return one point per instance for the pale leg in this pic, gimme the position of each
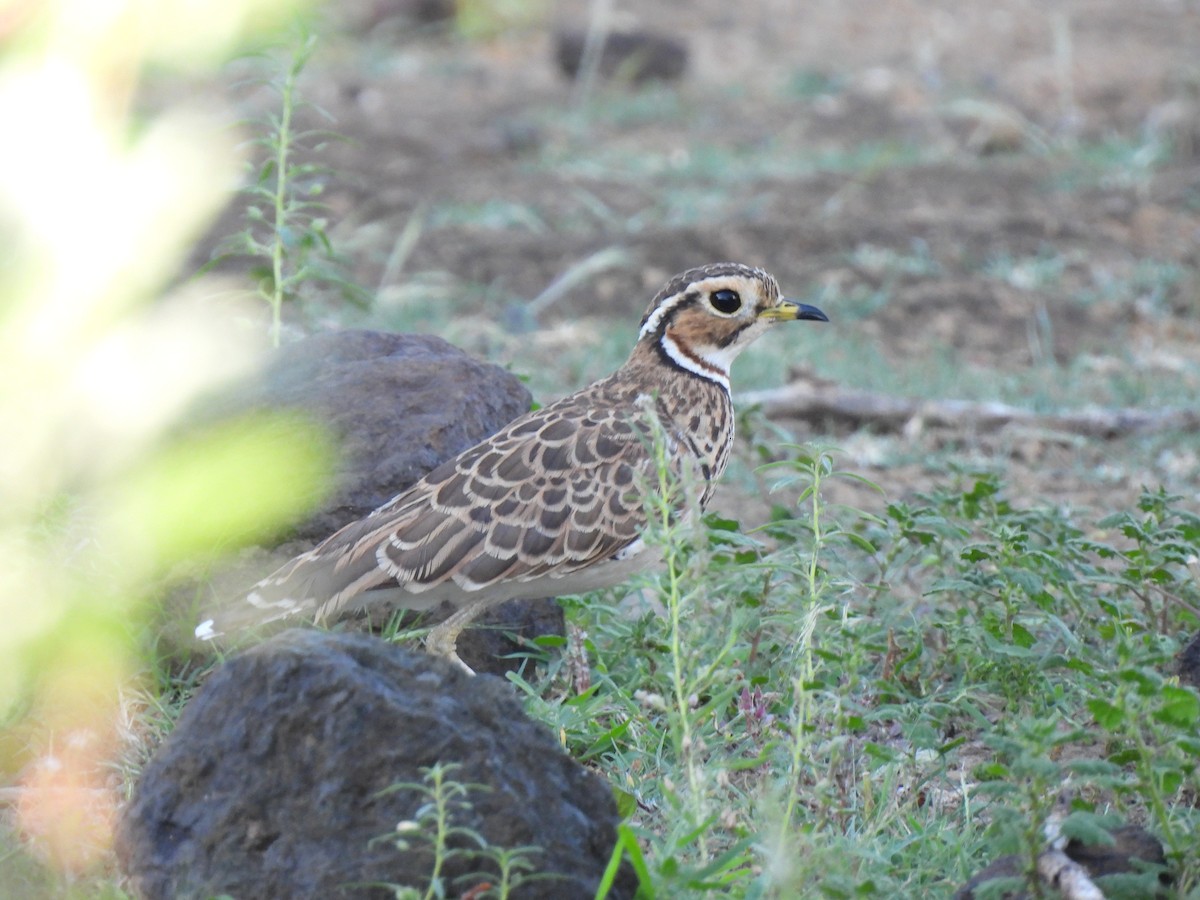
(442, 639)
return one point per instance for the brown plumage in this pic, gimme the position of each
(553, 503)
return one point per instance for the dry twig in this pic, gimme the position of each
(824, 402)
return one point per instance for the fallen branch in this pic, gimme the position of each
(823, 402)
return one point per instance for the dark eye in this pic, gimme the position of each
(726, 301)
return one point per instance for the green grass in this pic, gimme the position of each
(1150, 281)
(730, 167)
(25, 878)
(846, 705)
(1027, 273)
(495, 215)
(891, 264)
(808, 84)
(1118, 161)
(879, 706)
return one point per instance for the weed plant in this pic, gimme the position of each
(842, 705)
(285, 236)
(435, 832)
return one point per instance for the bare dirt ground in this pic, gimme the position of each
(998, 200)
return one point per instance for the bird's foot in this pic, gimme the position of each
(442, 641)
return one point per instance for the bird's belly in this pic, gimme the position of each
(631, 561)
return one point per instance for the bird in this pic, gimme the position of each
(555, 503)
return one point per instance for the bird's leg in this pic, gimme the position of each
(442, 639)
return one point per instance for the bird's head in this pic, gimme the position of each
(705, 317)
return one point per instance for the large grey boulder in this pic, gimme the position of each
(396, 406)
(279, 781)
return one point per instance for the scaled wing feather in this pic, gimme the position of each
(555, 492)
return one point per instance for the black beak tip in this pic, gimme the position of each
(811, 313)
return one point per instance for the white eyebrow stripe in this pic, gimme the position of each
(656, 317)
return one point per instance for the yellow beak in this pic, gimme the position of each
(788, 310)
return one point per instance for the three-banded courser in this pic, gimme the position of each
(554, 503)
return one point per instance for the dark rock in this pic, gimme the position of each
(396, 404)
(1189, 663)
(1009, 868)
(1130, 844)
(487, 645)
(498, 640)
(277, 781)
(635, 56)
(430, 11)
(414, 16)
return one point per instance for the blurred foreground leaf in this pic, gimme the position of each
(99, 206)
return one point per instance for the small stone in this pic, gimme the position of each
(633, 56)
(1189, 663)
(1131, 844)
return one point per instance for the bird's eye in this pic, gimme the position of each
(726, 301)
